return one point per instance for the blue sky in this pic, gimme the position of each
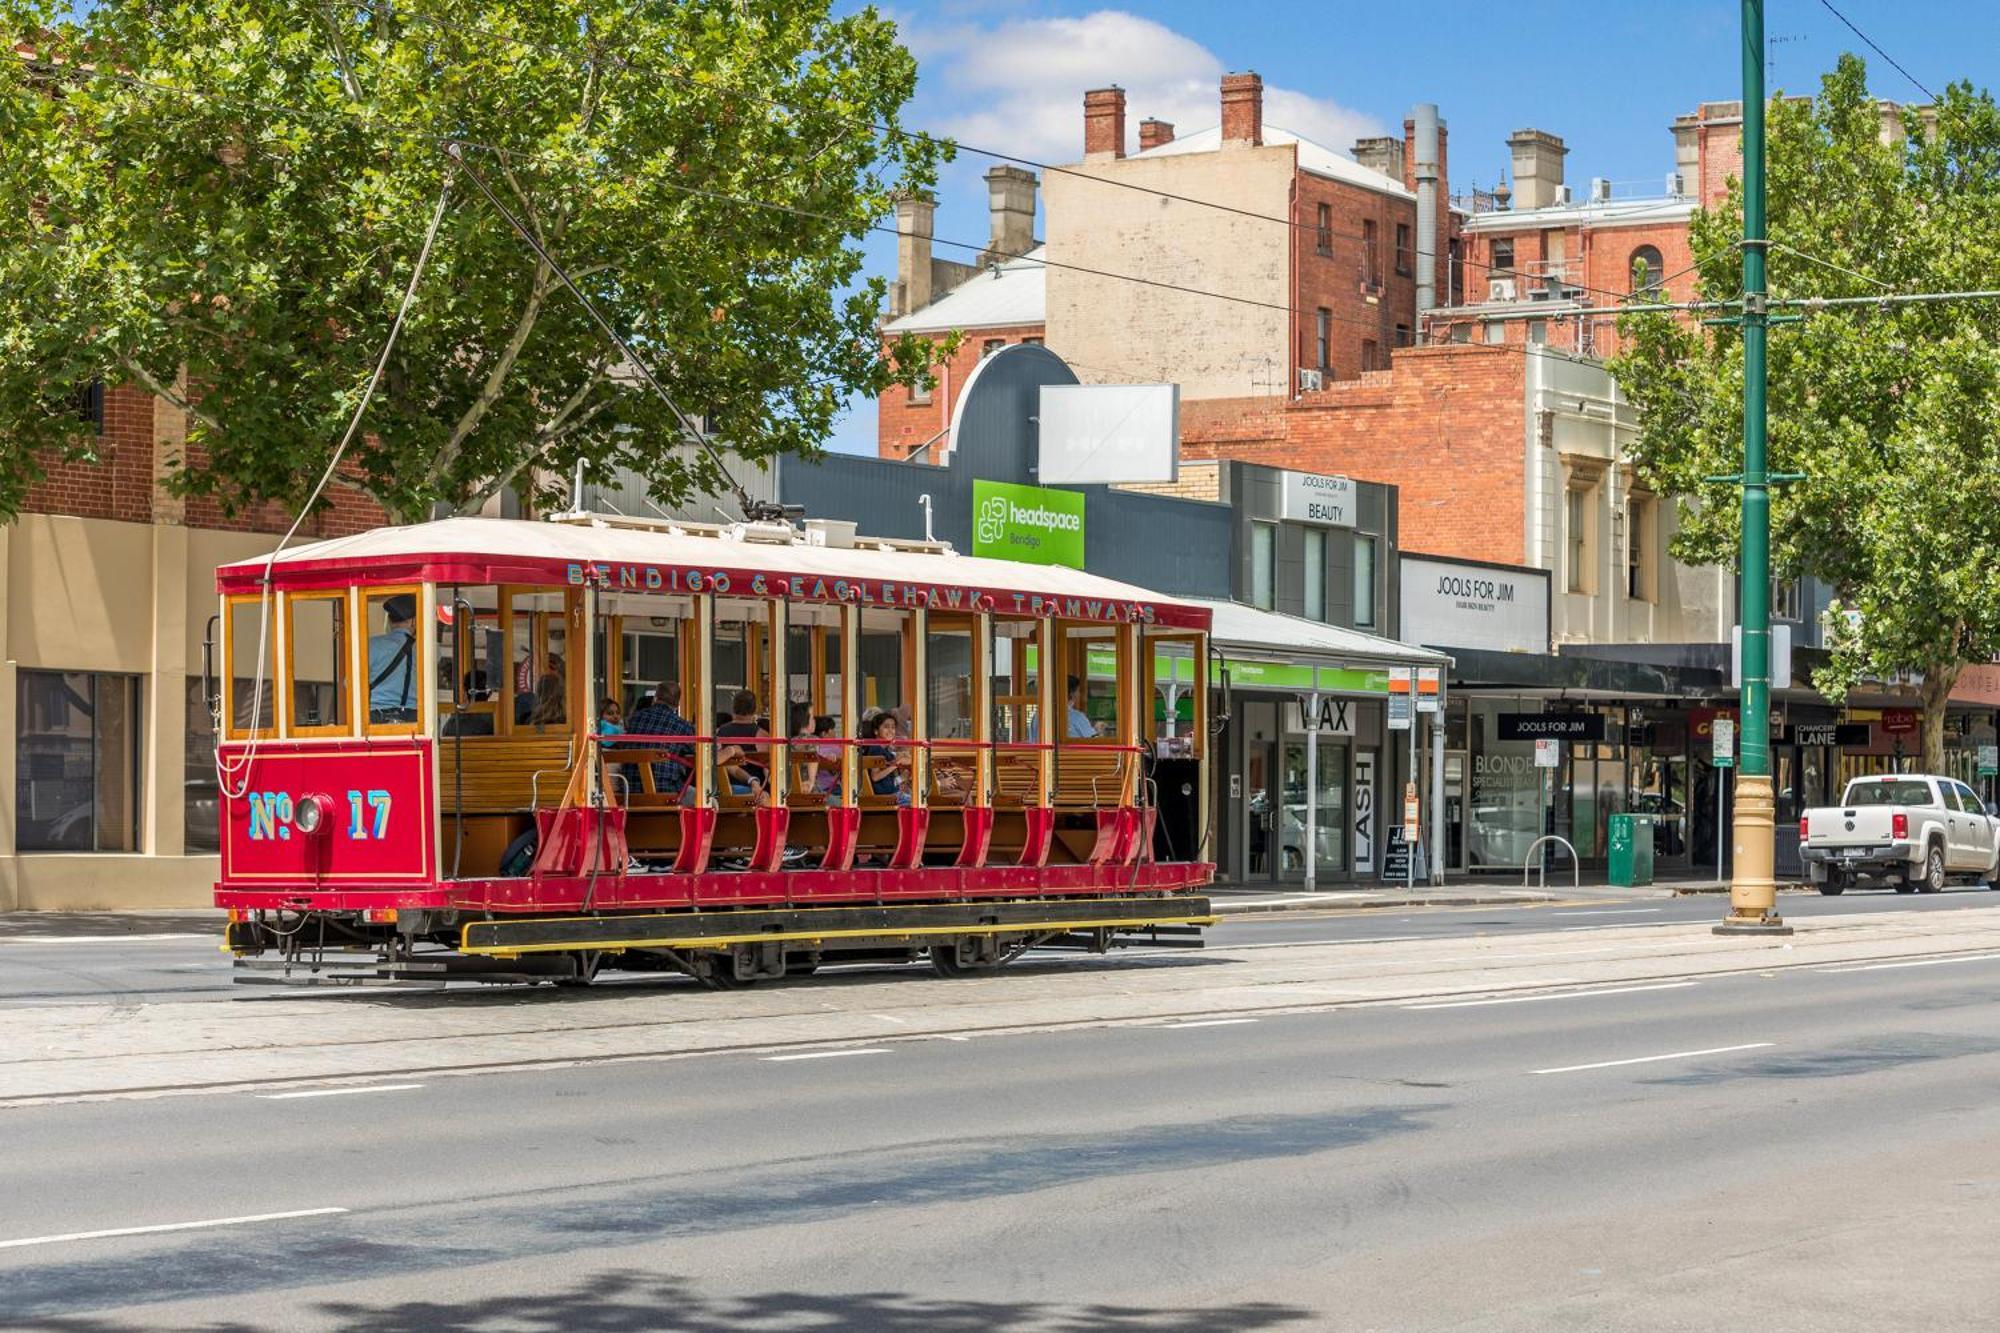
(1607, 76)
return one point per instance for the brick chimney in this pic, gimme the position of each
(1538, 168)
(1010, 194)
(1103, 123)
(915, 219)
(1153, 133)
(1243, 109)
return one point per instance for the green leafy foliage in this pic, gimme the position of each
(222, 200)
(1891, 412)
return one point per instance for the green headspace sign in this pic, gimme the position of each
(1032, 524)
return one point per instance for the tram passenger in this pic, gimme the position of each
(661, 716)
(471, 723)
(550, 708)
(882, 763)
(748, 774)
(392, 661)
(1079, 726)
(610, 718)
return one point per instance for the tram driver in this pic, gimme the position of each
(392, 663)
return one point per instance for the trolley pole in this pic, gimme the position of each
(1753, 885)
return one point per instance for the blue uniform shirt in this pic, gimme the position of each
(396, 691)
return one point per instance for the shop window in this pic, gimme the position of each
(394, 660)
(1403, 249)
(201, 805)
(1315, 559)
(1580, 537)
(317, 656)
(1641, 549)
(1364, 581)
(1263, 564)
(77, 757)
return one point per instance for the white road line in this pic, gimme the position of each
(828, 1055)
(168, 1226)
(1914, 962)
(1559, 995)
(337, 1092)
(103, 939)
(1608, 911)
(1651, 1059)
(1207, 1023)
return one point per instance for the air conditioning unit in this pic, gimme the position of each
(1676, 187)
(1311, 381)
(1500, 289)
(1562, 194)
(1600, 190)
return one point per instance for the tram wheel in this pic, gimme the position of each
(947, 961)
(717, 971)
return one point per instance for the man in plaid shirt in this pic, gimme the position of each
(662, 717)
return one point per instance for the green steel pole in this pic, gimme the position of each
(1753, 887)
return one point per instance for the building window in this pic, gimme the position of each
(1580, 536)
(1788, 600)
(1370, 352)
(1455, 270)
(1031, 342)
(1263, 564)
(1323, 237)
(1402, 335)
(1371, 256)
(1641, 550)
(920, 392)
(77, 761)
(1646, 270)
(1403, 250)
(1315, 556)
(1323, 338)
(990, 346)
(90, 406)
(1503, 256)
(1538, 332)
(1364, 581)
(1496, 332)
(1461, 333)
(201, 802)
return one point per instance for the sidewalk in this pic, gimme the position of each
(1462, 890)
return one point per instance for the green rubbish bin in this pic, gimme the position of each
(1631, 850)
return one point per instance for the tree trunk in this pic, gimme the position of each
(1935, 691)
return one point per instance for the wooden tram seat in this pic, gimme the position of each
(499, 774)
(1090, 777)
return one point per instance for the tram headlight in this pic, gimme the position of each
(315, 813)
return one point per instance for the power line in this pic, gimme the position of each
(876, 127)
(1828, 4)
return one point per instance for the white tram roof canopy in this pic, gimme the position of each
(1248, 631)
(495, 550)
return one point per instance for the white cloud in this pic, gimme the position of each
(1017, 87)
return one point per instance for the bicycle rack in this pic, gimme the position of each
(1575, 872)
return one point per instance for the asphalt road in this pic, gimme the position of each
(126, 961)
(1799, 1149)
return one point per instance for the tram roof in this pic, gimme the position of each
(497, 550)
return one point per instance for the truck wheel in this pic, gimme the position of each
(1933, 879)
(1834, 884)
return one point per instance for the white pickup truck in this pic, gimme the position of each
(1914, 831)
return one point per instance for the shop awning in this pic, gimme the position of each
(1274, 650)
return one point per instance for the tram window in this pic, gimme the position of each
(394, 659)
(729, 669)
(316, 654)
(882, 648)
(471, 658)
(251, 704)
(537, 666)
(1090, 658)
(948, 693)
(1016, 689)
(649, 656)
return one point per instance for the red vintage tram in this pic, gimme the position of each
(422, 781)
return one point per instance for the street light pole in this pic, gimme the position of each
(1753, 884)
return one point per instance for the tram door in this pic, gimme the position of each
(1258, 806)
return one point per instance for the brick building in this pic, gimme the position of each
(1316, 253)
(107, 782)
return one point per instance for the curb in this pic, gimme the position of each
(1222, 907)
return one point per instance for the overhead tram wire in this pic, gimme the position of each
(876, 127)
(418, 134)
(1893, 62)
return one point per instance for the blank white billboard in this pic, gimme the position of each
(1105, 433)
